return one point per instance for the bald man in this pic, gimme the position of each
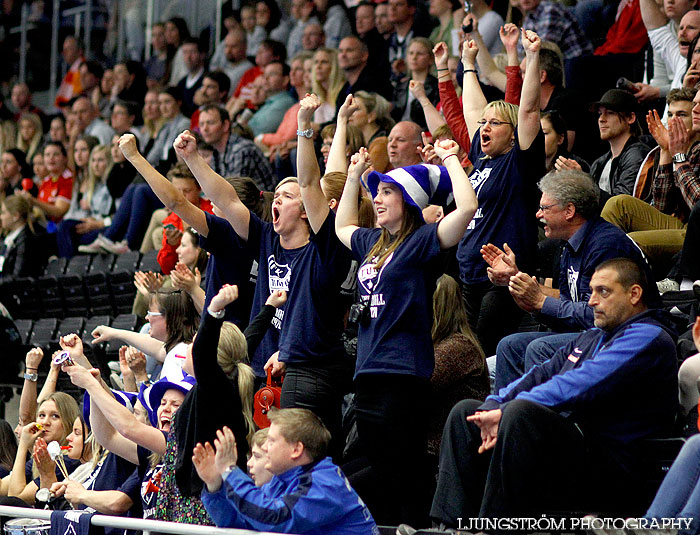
(404, 144)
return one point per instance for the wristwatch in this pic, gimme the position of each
(679, 157)
(308, 133)
(227, 471)
(31, 376)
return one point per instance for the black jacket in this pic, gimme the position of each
(624, 168)
(401, 98)
(25, 258)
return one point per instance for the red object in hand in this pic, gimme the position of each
(27, 184)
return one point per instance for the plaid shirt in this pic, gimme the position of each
(553, 22)
(243, 158)
(676, 192)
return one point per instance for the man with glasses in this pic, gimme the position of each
(569, 210)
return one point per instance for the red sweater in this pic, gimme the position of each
(167, 256)
(454, 116)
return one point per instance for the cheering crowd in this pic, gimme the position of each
(364, 201)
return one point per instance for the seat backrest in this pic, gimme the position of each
(56, 267)
(70, 325)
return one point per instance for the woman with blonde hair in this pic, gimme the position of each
(508, 155)
(222, 395)
(419, 59)
(327, 80)
(152, 120)
(373, 117)
(30, 134)
(91, 205)
(23, 256)
(54, 421)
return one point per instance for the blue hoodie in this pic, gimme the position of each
(618, 386)
(314, 499)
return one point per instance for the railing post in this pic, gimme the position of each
(120, 30)
(88, 29)
(23, 43)
(54, 50)
(149, 28)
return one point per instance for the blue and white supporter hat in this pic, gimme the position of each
(155, 392)
(420, 185)
(128, 399)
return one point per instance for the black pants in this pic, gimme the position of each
(319, 389)
(541, 463)
(392, 432)
(492, 313)
(688, 266)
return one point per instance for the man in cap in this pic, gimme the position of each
(615, 172)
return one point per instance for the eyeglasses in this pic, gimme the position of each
(493, 123)
(545, 207)
(150, 314)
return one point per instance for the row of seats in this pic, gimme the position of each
(87, 285)
(46, 332)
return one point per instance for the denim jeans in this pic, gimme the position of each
(679, 493)
(518, 353)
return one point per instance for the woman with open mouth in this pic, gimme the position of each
(508, 154)
(183, 412)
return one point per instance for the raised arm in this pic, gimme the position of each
(473, 100)
(453, 226)
(309, 175)
(119, 416)
(219, 191)
(529, 111)
(432, 117)
(28, 401)
(109, 438)
(652, 16)
(337, 156)
(163, 188)
(142, 342)
(487, 66)
(346, 219)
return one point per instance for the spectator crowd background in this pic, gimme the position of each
(295, 190)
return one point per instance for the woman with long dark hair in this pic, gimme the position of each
(400, 262)
(173, 320)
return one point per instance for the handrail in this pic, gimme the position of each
(139, 524)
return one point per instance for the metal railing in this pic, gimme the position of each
(138, 524)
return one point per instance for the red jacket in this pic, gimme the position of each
(454, 116)
(627, 35)
(167, 256)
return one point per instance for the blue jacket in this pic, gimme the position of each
(618, 386)
(314, 499)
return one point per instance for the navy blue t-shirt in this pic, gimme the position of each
(397, 338)
(506, 187)
(109, 474)
(230, 263)
(309, 326)
(148, 482)
(71, 464)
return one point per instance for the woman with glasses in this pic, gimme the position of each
(173, 320)
(508, 154)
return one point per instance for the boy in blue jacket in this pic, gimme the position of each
(308, 494)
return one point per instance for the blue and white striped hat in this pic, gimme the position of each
(421, 184)
(128, 399)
